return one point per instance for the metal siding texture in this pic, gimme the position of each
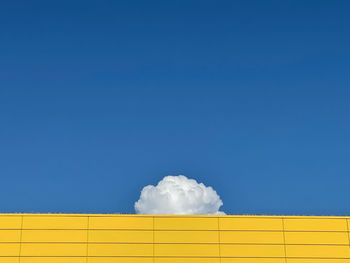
(82, 238)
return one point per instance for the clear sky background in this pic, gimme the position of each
(100, 98)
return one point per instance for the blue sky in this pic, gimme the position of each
(100, 98)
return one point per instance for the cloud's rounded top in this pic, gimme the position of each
(179, 195)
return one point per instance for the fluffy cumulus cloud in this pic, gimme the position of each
(179, 195)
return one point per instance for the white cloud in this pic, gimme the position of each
(179, 195)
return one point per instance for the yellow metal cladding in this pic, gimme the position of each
(88, 238)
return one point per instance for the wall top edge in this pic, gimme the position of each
(175, 216)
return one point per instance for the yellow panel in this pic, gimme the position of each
(53, 249)
(317, 238)
(120, 260)
(122, 222)
(318, 260)
(313, 224)
(252, 250)
(10, 235)
(120, 250)
(125, 236)
(253, 260)
(53, 260)
(186, 237)
(9, 259)
(315, 251)
(267, 237)
(250, 223)
(185, 223)
(54, 222)
(186, 250)
(9, 249)
(187, 260)
(178, 239)
(54, 235)
(10, 222)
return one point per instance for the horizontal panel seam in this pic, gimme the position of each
(171, 257)
(174, 230)
(179, 243)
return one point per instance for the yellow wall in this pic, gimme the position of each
(65, 238)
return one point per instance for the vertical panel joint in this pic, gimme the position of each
(284, 241)
(219, 239)
(20, 240)
(87, 239)
(347, 227)
(153, 245)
